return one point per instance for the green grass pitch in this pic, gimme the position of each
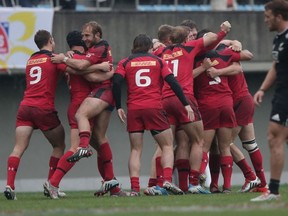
(84, 203)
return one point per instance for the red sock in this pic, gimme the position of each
(194, 177)
(62, 168)
(257, 161)
(135, 185)
(12, 167)
(100, 165)
(167, 174)
(226, 163)
(105, 154)
(152, 182)
(159, 171)
(214, 165)
(52, 166)
(246, 169)
(204, 162)
(84, 139)
(183, 167)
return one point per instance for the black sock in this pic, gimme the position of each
(274, 186)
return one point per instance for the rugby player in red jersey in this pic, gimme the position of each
(37, 109)
(216, 107)
(180, 57)
(145, 74)
(98, 105)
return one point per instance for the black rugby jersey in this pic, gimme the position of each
(280, 56)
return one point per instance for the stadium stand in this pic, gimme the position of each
(140, 5)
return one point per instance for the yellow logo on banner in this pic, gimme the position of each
(20, 25)
(28, 19)
(143, 63)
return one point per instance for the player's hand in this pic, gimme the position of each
(190, 112)
(207, 63)
(258, 97)
(105, 66)
(236, 46)
(212, 72)
(70, 53)
(57, 58)
(225, 26)
(121, 115)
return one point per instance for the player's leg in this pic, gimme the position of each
(198, 154)
(134, 164)
(277, 137)
(165, 140)
(247, 136)
(224, 137)
(22, 138)
(89, 108)
(101, 144)
(182, 163)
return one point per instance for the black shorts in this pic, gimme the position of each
(279, 113)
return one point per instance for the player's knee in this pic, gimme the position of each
(250, 145)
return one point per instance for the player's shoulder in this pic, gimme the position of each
(102, 43)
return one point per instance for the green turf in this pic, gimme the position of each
(84, 203)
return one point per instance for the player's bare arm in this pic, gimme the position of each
(232, 69)
(78, 64)
(210, 37)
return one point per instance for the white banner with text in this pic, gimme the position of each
(17, 29)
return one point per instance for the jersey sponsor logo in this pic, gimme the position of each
(172, 55)
(215, 62)
(143, 63)
(275, 55)
(4, 45)
(281, 47)
(37, 61)
(276, 117)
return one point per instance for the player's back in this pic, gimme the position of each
(180, 58)
(41, 80)
(217, 87)
(238, 85)
(144, 74)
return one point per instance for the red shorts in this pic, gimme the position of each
(244, 110)
(218, 117)
(147, 119)
(105, 94)
(38, 118)
(177, 113)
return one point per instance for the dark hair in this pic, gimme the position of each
(189, 23)
(164, 32)
(278, 7)
(179, 34)
(201, 33)
(74, 38)
(96, 27)
(142, 43)
(41, 38)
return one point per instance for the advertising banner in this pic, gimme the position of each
(17, 29)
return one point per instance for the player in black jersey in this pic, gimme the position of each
(276, 18)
